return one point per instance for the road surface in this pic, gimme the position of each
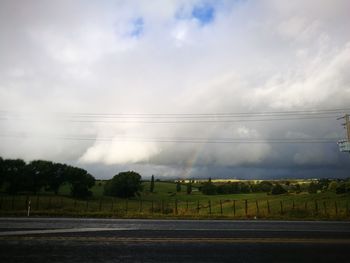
(123, 240)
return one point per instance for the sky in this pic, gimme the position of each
(179, 89)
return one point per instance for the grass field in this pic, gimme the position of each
(164, 202)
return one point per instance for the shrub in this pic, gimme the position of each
(277, 189)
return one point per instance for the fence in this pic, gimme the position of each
(246, 208)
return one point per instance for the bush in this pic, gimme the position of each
(343, 188)
(277, 189)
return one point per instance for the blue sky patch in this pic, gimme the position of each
(203, 13)
(137, 27)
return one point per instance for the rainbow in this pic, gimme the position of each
(191, 161)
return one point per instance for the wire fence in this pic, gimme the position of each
(113, 207)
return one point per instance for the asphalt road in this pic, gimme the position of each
(113, 240)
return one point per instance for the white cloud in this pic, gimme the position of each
(78, 57)
(119, 152)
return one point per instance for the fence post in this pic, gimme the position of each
(268, 207)
(175, 206)
(209, 206)
(257, 207)
(221, 207)
(234, 207)
(140, 206)
(281, 204)
(28, 208)
(186, 205)
(246, 207)
(336, 207)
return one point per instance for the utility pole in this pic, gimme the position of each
(344, 145)
(347, 125)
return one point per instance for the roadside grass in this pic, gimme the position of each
(165, 202)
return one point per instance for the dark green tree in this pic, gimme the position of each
(14, 175)
(277, 189)
(343, 188)
(58, 176)
(189, 188)
(313, 188)
(2, 172)
(265, 186)
(151, 188)
(244, 188)
(178, 186)
(38, 173)
(208, 188)
(124, 184)
(80, 181)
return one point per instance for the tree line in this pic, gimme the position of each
(18, 176)
(339, 186)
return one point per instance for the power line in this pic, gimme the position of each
(191, 115)
(182, 139)
(179, 120)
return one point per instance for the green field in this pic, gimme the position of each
(164, 202)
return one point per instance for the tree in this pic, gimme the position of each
(208, 188)
(178, 187)
(152, 184)
(189, 188)
(265, 186)
(244, 188)
(59, 175)
(313, 188)
(333, 186)
(39, 173)
(343, 188)
(2, 172)
(14, 175)
(277, 189)
(124, 184)
(80, 181)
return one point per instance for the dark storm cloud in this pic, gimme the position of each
(64, 57)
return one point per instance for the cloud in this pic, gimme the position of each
(119, 152)
(133, 57)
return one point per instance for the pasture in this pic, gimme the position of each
(165, 202)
